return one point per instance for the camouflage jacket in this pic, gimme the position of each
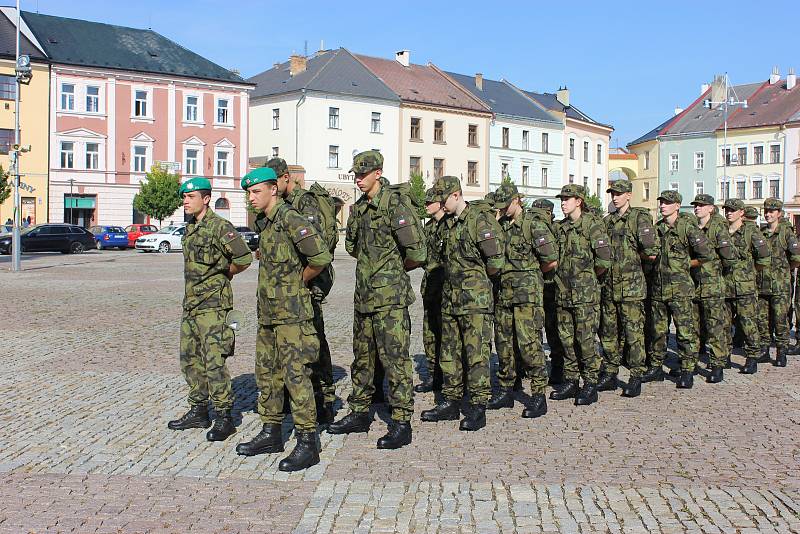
(710, 277)
(680, 244)
(784, 249)
(751, 250)
(579, 243)
(631, 234)
(528, 243)
(544, 217)
(433, 277)
(287, 244)
(209, 247)
(467, 287)
(375, 238)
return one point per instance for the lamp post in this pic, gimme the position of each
(730, 100)
(71, 198)
(23, 76)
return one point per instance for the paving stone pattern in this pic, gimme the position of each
(90, 377)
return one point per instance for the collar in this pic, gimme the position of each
(274, 211)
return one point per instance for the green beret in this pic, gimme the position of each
(256, 176)
(198, 183)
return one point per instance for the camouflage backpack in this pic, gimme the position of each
(327, 212)
(404, 190)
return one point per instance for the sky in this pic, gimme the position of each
(628, 64)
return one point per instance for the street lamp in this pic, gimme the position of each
(23, 76)
(71, 199)
(730, 100)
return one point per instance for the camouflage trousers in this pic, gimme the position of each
(466, 342)
(620, 329)
(322, 368)
(518, 337)
(284, 354)
(432, 337)
(382, 336)
(773, 320)
(714, 328)
(744, 311)
(551, 329)
(576, 329)
(685, 319)
(205, 343)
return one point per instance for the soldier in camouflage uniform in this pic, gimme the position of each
(774, 282)
(292, 254)
(322, 369)
(431, 291)
(712, 311)
(385, 236)
(584, 257)
(633, 241)
(213, 252)
(472, 254)
(530, 249)
(753, 254)
(683, 246)
(750, 218)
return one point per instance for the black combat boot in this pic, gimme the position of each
(750, 366)
(196, 417)
(607, 382)
(795, 349)
(634, 387)
(765, 355)
(223, 427)
(270, 439)
(474, 419)
(503, 399)
(517, 384)
(351, 423)
(780, 357)
(426, 386)
(566, 390)
(728, 362)
(398, 435)
(304, 455)
(587, 395)
(654, 374)
(686, 380)
(445, 410)
(536, 408)
(715, 376)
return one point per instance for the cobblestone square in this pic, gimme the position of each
(90, 377)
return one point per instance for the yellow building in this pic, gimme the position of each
(645, 183)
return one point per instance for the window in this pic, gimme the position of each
(414, 165)
(741, 154)
(333, 157)
(8, 87)
(726, 156)
(758, 191)
(140, 104)
(191, 108)
(599, 154)
(505, 137)
(222, 162)
(438, 131)
(92, 99)
(6, 140)
(699, 160)
(646, 191)
(472, 173)
(276, 118)
(673, 186)
(525, 170)
(673, 163)
(504, 170)
(525, 141)
(67, 155)
(646, 159)
(725, 189)
(586, 151)
(740, 187)
(472, 135)
(275, 152)
(375, 125)
(190, 167)
(698, 188)
(544, 176)
(333, 118)
(758, 155)
(572, 178)
(416, 126)
(92, 156)
(586, 183)
(774, 156)
(438, 167)
(68, 96)
(572, 149)
(222, 110)
(140, 159)
(775, 188)
(545, 143)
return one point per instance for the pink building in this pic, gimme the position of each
(123, 100)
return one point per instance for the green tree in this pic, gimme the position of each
(159, 196)
(418, 192)
(594, 202)
(5, 185)
(506, 179)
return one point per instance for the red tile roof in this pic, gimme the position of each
(623, 156)
(772, 105)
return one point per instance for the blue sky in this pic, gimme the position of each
(628, 64)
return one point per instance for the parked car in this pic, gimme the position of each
(166, 239)
(135, 231)
(110, 237)
(250, 237)
(64, 238)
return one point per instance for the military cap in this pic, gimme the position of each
(367, 161)
(543, 203)
(278, 165)
(572, 190)
(489, 196)
(431, 196)
(620, 186)
(703, 199)
(773, 203)
(670, 197)
(198, 183)
(256, 176)
(505, 194)
(446, 186)
(734, 204)
(751, 213)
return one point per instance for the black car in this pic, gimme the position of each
(64, 238)
(250, 237)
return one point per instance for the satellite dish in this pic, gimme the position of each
(235, 320)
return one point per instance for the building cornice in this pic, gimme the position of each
(433, 107)
(144, 77)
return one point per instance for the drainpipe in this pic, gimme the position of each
(296, 125)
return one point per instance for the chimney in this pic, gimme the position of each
(563, 96)
(704, 88)
(403, 57)
(297, 64)
(791, 80)
(678, 111)
(718, 89)
(479, 81)
(776, 76)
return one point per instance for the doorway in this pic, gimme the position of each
(80, 209)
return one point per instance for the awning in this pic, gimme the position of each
(79, 202)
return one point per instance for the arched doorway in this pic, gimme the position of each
(223, 208)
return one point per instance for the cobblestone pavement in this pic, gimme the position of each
(90, 377)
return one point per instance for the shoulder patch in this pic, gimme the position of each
(302, 231)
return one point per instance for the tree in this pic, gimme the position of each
(594, 202)
(418, 193)
(506, 179)
(5, 185)
(159, 196)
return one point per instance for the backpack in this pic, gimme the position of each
(327, 215)
(404, 190)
